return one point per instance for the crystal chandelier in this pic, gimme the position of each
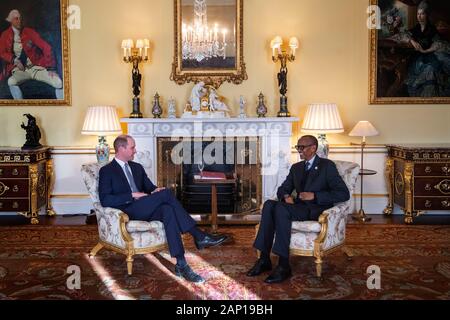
(201, 42)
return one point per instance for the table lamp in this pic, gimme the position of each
(363, 129)
(322, 118)
(101, 121)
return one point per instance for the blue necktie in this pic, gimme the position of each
(130, 178)
(307, 165)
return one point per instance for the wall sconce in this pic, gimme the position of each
(136, 55)
(280, 55)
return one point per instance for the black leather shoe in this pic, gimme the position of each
(279, 275)
(188, 274)
(259, 267)
(210, 241)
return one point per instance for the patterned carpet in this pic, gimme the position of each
(414, 262)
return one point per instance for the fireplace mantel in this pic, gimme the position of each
(274, 134)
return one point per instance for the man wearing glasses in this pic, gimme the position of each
(318, 186)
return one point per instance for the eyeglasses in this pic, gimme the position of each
(301, 148)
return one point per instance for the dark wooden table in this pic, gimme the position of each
(214, 183)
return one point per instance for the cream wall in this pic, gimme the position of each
(332, 65)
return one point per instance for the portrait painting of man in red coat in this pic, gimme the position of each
(31, 51)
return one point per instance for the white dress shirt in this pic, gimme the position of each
(122, 165)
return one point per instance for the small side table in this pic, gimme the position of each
(360, 215)
(214, 183)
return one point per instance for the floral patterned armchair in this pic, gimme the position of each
(115, 230)
(318, 238)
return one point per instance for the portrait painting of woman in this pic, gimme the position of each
(411, 61)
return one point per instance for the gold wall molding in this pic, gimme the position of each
(354, 149)
(70, 196)
(370, 195)
(78, 150)
(337, 148)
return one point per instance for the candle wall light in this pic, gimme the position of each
(135, 55)
(280, 55)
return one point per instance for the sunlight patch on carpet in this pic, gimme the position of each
(218, 285)
(187, 285)
(108, 280)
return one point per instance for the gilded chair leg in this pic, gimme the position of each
(95, 250)
(130, 264)
(319, 267)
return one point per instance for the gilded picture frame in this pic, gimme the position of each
(224, 21)
(399, 72)
(34, 53)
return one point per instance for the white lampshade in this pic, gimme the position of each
(363, 129)
(276, 42)
(101, 121)
(322, 118)
(293, 43)
(127, 44)
(140, 44)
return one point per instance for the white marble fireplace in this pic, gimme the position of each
(274, 134)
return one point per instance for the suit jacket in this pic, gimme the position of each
(114, 189)
(37, 50)
(323, 180)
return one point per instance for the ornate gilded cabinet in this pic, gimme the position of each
(418, 178)
(26, 179)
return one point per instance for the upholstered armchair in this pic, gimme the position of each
(318, 238)
(115, 230)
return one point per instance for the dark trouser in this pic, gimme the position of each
(164, 207)
(276, 221)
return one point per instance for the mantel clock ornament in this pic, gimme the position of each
(205, 102)
(197, 93)
(205, 51)
(216, 105)
(33, 134)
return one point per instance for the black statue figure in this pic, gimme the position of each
(282, 81)
(136, 82)
(33, 133)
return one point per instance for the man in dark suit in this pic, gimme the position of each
(318, 185)
(124, 185)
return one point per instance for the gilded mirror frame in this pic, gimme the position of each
(210, 76)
